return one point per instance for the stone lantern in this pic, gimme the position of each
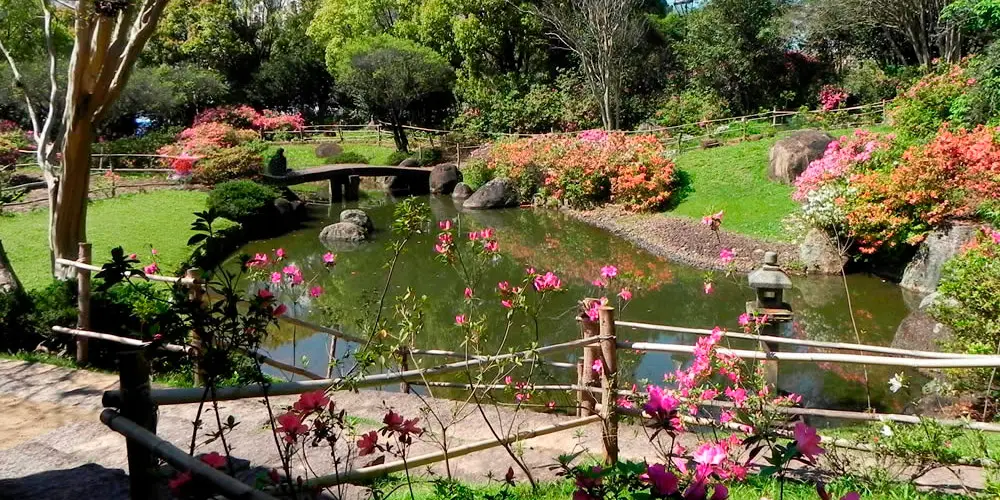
(769, 283)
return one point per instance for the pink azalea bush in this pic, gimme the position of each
(832, 97)
(246, 117)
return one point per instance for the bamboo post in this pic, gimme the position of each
(580, 393)
(609, 379)
(378, 130)
(197, 295)
(680, 137)
(588, 329)
(458, 156)
(333, 356)
(83, 303)
(774, 117)
(137, 406)
(404, 365)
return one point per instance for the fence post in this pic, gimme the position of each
(83, 304)
(588, 328)
(378, 130)
(458, 156)
(197, 295)
(137, 406)
(609, 384)
(774, 116)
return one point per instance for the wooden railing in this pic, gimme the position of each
(131, 412)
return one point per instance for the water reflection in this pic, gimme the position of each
(549, 240)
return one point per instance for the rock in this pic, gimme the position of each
(709, 143)
(924, 272)
(498, 193)
(819, 255)
(791, 155)
(444, 178)
(409, 163)
(920, 331)
(461, 191)
(277, 164)
(328, 150)
(935, 300)
(8, 280)
(342, 231)
(283, 206)
(359, 217)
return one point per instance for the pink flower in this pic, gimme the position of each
(507, 380)
(598, 366)
(709, 454)
(367, 443)
(530, 271)
(551, 405)
(713, 221)
(995, 236)
(258, 260)
(291, 426)
(468, 293)
(280, 310)
(662, 481)
(726, 255)
(506, 303)
(153, 251)
(214, 460)
(276, 278)
(316, 291)
(807, 441)
(625, 294)
(660, 403)
(609, 272)
(265, 294)
(593, 311)
(461, 320)
(486, 233)
(445, 225)
(279, 254)
(503, 286)
(329, 259)
(492, 246)
(726, 417)
(708, 287)
(547, 282)
(623, 402)
(133, 256)
(597, 283)
(151, 269)
(744, 319)
(311, 401)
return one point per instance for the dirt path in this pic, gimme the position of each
(684, 240)
(52, 444)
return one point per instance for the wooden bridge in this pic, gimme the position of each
(345, 179)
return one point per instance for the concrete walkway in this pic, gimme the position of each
(53, 446)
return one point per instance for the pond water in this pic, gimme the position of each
(548, 240)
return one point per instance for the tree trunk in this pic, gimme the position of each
(8, 279)
(69, 216)
(399, 136)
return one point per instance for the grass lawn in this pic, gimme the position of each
(135, 222)
(734, 179)
(304, 155)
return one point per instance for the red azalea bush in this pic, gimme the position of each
(591, 167)
(832, 97)
(203, 141)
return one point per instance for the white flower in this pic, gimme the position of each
(886, 431)
(897, 382)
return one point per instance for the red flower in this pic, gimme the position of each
(177, 484)
(291, 426)
(807, 441)
(367, 444)
(214, 460)
(310, 402)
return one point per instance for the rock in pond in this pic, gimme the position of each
(498, 193)
(924, 272)
(342, 232)
(444, 178)
(819, 255)
(359, 217)
(461, 191)
(790, 156)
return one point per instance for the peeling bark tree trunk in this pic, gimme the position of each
(69, 221)
(8, 279)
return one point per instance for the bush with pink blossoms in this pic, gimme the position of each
(246, 117)
(832, 97)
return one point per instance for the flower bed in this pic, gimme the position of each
(589, 168)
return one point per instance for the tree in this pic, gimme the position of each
(108, 37)
(602, 34)
(389, 75)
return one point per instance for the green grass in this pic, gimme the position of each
(969, 445)
(734, 179)
(160, 219)
(304, 155)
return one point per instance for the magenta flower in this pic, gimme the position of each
(726, 417)
(265, 294)
(726, 255)
(609, 272)
(720, 492)
(507, 303)
(486, 233)
(530, 271)
(625, 294)
(492, 246)
(995, 236)
(660, 403)
(546, 282)
(503, 286)
(316, 291)
(709, 288)
(461, 319)
(310, 402)
(598, 366)
(662, 481)
(744, 319)
(597, 283)
(710, 454)
(445, 225)
(153, 251)
(279, 253)
(507, 380)
(807, 441)
(737, 395)
(276, 278)
(151, 269)
(473, 236)
(178, 483)
(280, 310)
(329, 259)
(468, 293)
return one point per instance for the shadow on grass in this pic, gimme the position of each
(683, 187)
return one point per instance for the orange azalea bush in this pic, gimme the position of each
(588, 168)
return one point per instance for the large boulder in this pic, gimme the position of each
(791, 155)
(444, 178)
(342, 232)
(461, 191)
(819, 255)
(498, 193)
(923, 273)
(359, 217)
(328, 150)
(409, 163)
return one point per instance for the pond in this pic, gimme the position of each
(550, 241)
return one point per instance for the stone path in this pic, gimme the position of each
(52, 445)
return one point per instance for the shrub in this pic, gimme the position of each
(396, 158)
(869, 82)
(475, 174)
(241, 162)
(832, 97)
(246, 117)
(349, 157)
(981, 102)
(691, 107)
(10, 143)
(928, 103)
(970, 287)
(430, 156)
(591, 167)
(242, 200)
(14, 322)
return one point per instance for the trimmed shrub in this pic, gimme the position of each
(349, 157)
(475, 174)
(396, 158)
(242, 162)
(242, 200)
